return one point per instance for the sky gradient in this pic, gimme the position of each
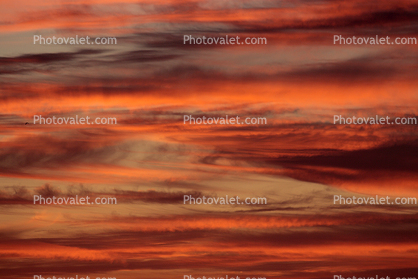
(150, 158)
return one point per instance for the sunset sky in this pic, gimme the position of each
(150, 159)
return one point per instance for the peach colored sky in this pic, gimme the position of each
(150, 159)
